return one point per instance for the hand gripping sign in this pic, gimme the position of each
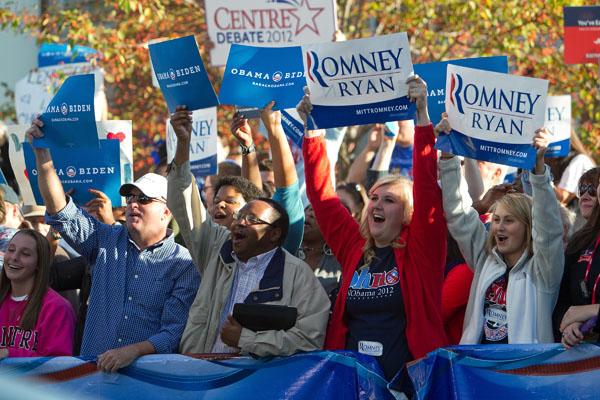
(105, 168)
(359, 81)
(493, 116)
(69, 120)
(203, 146)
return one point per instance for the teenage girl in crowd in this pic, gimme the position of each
(517, 265)
(34, 320)
(389, 302)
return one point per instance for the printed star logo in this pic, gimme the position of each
(306, 17)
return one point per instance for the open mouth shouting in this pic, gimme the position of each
(378, 218)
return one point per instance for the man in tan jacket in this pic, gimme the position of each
(244, 265)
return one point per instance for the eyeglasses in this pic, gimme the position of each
(588, 188)
(142, 199)
(249, 219)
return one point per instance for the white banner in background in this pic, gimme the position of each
(267, 23)
(558, 122)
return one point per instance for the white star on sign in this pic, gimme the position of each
(305, 16)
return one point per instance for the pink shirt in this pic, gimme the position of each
(53, 333)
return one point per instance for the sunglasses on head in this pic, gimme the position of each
(588, 188)
(142, 199)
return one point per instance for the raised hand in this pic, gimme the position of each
(271, 119)
(417, 93)
(240, 129)
(181, 121)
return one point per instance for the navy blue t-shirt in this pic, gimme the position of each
(375, 313)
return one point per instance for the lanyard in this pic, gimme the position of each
(589, 267)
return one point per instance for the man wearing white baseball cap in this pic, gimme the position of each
(143, 283)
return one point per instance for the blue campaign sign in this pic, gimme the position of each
(254, 76)
(435, 75)
(292, 126)
(181, 74)
(493, 116)
(56, 53)
(82, 170)
(69, 119)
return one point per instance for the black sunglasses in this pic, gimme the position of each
(588, 188)
(142, 199)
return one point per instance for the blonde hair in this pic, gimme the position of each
(518, 205)
(405, 191)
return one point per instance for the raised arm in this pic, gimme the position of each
(48, 181)
(340, 230)
(547, 229)
(240, 129)
(79, 229)
(428, 224)
(287, 192)
(463, 221)
(183, 197)
(358, 169)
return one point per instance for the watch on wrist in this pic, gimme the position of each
(247, 149)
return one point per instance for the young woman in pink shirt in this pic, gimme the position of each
(35, 321)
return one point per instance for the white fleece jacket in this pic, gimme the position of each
(533, 282)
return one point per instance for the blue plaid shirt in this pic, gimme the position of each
(136, 295)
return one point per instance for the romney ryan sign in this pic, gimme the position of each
(493, 116)
(359, 81)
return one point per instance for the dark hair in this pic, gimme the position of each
(229, 168)
(591, 175)
(41, 281)
(283, 222)
(265, 165)
(357, 191)
(247, 189)
(584, 237)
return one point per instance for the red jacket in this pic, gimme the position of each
(420, 262)
(455, 296)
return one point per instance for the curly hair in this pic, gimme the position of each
(247, 189)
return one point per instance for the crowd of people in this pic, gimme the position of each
(393, 261)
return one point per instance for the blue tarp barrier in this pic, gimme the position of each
(508, 372)
(318, 375)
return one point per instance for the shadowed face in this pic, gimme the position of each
(252, 232)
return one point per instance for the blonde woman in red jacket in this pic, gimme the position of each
(389, 302)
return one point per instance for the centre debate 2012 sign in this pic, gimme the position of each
(267, 23)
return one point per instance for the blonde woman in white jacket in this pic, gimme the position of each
(518, 264)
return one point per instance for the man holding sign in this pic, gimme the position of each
(143, 282)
